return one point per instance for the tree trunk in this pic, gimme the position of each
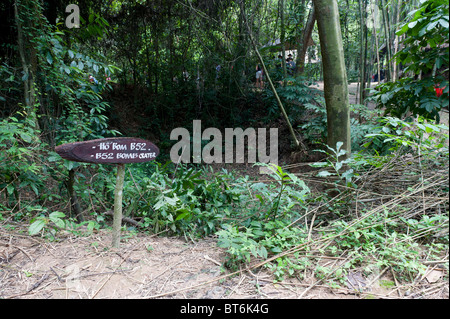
(118, 192)
(376, 43)
(387, 34)
(334, 73)
(363, 52)
(75, 205)
(28, 58)
(305, 40)
(282, 40)
(396, 42)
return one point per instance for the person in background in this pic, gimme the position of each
(92, 79)
(259, 77)
(290, 64)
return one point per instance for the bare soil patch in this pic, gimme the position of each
(85, 267)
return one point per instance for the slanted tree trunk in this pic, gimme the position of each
(334, 73)
(297, 143)
(305, 40)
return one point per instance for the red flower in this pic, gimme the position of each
(439, 91)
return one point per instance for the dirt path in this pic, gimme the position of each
(84, 267)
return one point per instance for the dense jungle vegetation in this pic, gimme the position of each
(378, 200)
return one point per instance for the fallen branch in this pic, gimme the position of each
(125, 219)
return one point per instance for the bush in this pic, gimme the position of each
(21, 158)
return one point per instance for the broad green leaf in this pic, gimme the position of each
(10, 189)
(404, 28)
(34, 188)
(430, 128)
(260, 198)
(432, 25)
(66, 69)
(183, 215)
(348, 174)
(412, 24)
(25, 137)
(49, 58)
(56, 215)
(37, 226)
(263, 252)
(319, 164)
(324, 174)
(443, 23)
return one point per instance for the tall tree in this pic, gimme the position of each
(306, 38)
(334, 73)
(25, 13)
(363, 50)
(282, 40)
(387, 34)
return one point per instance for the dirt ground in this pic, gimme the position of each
(85, 267)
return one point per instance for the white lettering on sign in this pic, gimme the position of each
(138, 146)
(104, 155)
(104, 146)
(147, 155)
(120, 147)
(126, 155)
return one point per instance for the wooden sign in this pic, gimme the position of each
(115, 150)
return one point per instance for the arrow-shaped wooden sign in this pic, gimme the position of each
(115, 150)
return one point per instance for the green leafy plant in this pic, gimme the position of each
(54, 220)
(408, 96)
(292, 191)
(333, 161)
(316, 128)
(362, 122)
(425, 52)
(20, 151)
(420, 135)
(260, 240)
(269, 229)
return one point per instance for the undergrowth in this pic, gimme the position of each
(377, 210)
